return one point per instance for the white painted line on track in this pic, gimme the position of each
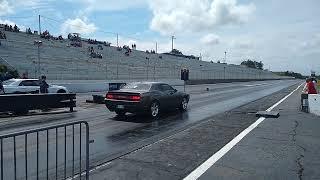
(195, 174)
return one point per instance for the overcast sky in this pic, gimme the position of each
(284, 34)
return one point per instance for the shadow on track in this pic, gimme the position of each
(151, 127)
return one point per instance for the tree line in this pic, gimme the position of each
(6, 73)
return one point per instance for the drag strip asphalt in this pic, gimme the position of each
(114, 136)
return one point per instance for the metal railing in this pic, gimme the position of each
(21, 159)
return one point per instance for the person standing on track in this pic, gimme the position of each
(43, 85)
(309, 88)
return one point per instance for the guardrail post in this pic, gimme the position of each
(71, 104)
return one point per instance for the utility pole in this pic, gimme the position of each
(39, 24)
(148, 58)
(117, 40)
(39, 69)
(172, 38)
(156, 47)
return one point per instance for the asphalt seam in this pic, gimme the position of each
(300, 157)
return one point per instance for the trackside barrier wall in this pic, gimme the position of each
(314, 104)
(82, 86)
(54, 152)
(25, 102)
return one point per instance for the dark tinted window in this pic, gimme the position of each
(166, 87)
(137, 86)
(156, 87)
(29, 83)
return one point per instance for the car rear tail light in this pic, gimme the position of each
(135, 98)
(124, 97)
(110, 96)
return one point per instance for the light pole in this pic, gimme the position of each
(148, 68)
(154, 71)
(172, 38)
(225, 57)
(118, 69)
(117, 40)
(38, 43)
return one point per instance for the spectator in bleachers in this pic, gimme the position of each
(10, 28)
(2, 35)
(60, 37)
(95, 55)
(106, 44)
(45, 35)
(28, 31)
(15, 28)
(100, 47)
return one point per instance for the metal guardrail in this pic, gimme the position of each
(24, 102)
(47, 166)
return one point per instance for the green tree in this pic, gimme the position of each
(8, 73)
(3, 68)
(252, 64)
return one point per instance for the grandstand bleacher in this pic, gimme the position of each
(59, 60)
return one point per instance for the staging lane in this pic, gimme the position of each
(114, 136)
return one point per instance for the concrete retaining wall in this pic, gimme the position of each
(214, 81)
(314, 104)
(82, 86)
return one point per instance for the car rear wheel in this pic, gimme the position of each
(61, 91)
(184, 104)
(154, 109)
(120, 113)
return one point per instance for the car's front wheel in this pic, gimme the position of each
(184, 104)
(154, 109)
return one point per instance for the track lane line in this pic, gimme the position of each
(195, 174)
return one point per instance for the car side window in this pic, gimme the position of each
(35, 83)
(166, 87)
(24, 83)
(156, 87)
(29, 83)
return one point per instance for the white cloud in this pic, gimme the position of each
(7, 22)
(171, 17)
(5, 8)
(78, 25)
(242, 44)
(210, 39)
(12, 6)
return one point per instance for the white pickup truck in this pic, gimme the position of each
(25, 86)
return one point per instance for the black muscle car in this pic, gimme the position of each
(146, 97)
